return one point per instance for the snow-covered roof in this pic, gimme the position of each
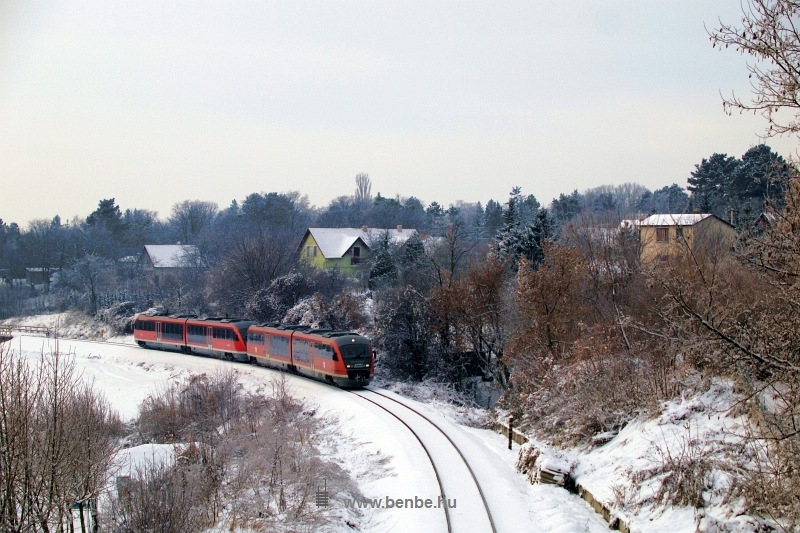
(169, 255)
(674, 219)
(334, 242)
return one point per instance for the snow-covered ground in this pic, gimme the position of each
(387, 462)
(381, 455)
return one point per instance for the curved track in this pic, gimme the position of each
(460, 487)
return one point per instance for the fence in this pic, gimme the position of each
(6, 329)
(139, 298)
(516, 436)
(601, 508)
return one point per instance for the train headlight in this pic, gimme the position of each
(348, 366)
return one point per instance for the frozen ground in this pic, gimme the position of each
(387, 461)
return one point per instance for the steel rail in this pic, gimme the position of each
(425, 448)
(463, 458)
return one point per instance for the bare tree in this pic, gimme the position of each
(190, 217)
(57, 439)
(91, 274)
(768, 32)
(251, 264)
(363, 196)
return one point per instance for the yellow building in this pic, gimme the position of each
(346, 249)
(667, 234)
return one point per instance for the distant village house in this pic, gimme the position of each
(346, 249)
(162, 263)
(666, 234)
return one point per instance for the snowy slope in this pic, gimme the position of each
(398, 466)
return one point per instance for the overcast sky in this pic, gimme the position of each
(156, 102)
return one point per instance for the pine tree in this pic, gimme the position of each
(383, 272)
(709, 184)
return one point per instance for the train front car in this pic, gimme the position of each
(342, 358)
(357, 361)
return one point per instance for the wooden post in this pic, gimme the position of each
(510, 430)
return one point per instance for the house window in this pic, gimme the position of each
(662, 234)
(679, 234)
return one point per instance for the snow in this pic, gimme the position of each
(687, 429)
(334, 242)
(170, 255)
(129, 460)
(385, 459)
(674, 219)
(379, 453)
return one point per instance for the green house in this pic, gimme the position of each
(346, 249)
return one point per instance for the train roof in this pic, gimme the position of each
(224, 320)
(164, 314)
(323, 332)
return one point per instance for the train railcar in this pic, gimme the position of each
(160, 331)
(218, 337)
(340, 357)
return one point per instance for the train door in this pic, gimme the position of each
(158, 330)
(210, 336)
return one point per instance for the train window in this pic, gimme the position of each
(352, 352)
(279, 346)
(143, 325)
(172, 331)
(224, 333)
(324, 351)
(196, 334)
(301, 350)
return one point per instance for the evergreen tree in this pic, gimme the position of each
(493, 217)
(107, 215)
(383, 272)
(709, 184)
(516, 240)
(668, 199)
(533, 239)
(566, 206)
(480, 220)
(760, 175)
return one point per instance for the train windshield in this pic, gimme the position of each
(356, 353)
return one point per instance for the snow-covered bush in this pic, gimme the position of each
(271, 304)
(344, 312)
(251, 460)
(119, 317)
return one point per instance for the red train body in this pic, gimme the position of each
(218, 337)
(339, 357)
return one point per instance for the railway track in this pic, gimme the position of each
(460, 488)
(462, 497)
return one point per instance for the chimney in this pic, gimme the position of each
(364, 228)
(399, 228)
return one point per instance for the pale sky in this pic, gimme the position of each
(156, 102)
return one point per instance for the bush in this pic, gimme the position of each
(56, 431)
(246, 460)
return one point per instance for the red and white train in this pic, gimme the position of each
(339, 357)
